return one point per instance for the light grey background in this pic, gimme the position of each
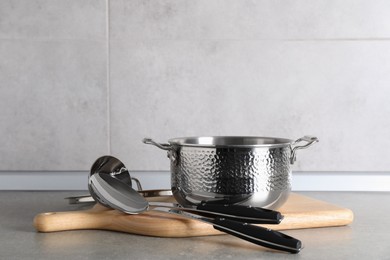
(83, 78)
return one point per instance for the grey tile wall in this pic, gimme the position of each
(336, 91)
(269, 68)
(53, 80)
(71, 90)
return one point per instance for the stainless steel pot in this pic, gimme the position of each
(252, 171)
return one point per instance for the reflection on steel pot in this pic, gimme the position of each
(252, 171)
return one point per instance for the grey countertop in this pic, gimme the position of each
(366, 238)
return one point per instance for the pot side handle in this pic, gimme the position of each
(294, 146)
(166, 147)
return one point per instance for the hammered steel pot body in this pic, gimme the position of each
(252, 172)
(258, 176)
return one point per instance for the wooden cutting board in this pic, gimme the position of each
(299, 212)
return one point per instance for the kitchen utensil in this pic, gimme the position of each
(255, 234)
(145, 193)
(120, 196)
(112, 166)
(251, 171)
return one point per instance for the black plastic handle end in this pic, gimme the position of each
(259, 235)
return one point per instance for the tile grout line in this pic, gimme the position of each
(108, 76)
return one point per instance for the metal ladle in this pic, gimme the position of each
(112, 166)
(118, 195)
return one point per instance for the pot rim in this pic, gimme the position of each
(231, 141)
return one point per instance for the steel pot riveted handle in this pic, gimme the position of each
(166, 147)
(309, 141)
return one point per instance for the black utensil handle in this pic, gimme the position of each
(257, 215)
(258, 235)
